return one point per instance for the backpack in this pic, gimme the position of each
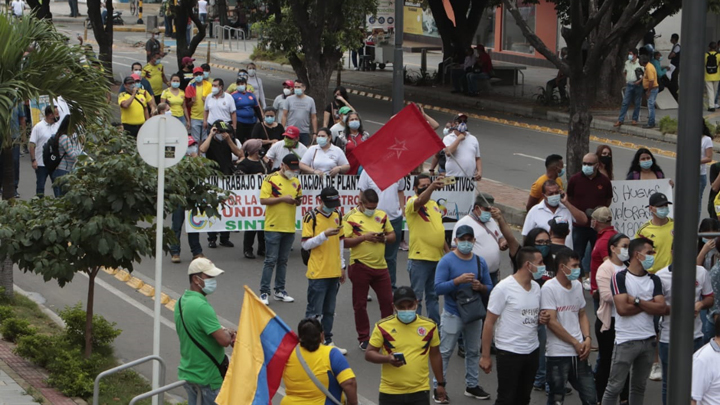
(305, 254)
(711, 63)
(51, 154)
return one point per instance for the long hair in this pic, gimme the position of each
(608, 168)
(707, 225)
(361, 129)
(635, 165)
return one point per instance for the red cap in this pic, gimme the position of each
(135, 77)
(197, 69)
(191, 141)
(289, 83)
(292, 132)
(187, 60)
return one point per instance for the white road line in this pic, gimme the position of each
(529, 157)
(375, 122)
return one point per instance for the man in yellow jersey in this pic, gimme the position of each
(281, 193)
(323, 241)
(367, 229)
(133, 105)
(659, 230)
(402, 343)
(154, 72)
(195, 94)
(554, 170)
(427, 242)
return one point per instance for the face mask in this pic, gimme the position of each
(648, 262)
(368, 212)
(562, 172)
(168, 113)
(210, 286)
(206, 75)
(289, 143)
(588, 170)
(269, 120)
(646, 164)
(421, 190)
(485, 216)
(705, 240)
(539, 273)
(465, 246)
(192, 150)
(298, 92)
(138, 85)
(630, 57)
(215, 90)
(606, 160)
(190, 67)
(328, 210)
(406, 316)
(462, 127)
(175, 85)
(198, 79)
(290, 174)
(554, 200)
(446, 131)
(286, 92)
(574, 274)
(322, 141)
(241, 88)
(354, 124)
(138, 72)
(662, 212)
(218, 137)
(544, 250)
(624, 255)
(659, 59)
(251, 72)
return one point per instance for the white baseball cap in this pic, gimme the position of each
(204, 265)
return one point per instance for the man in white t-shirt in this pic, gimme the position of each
(463, 151)
(290, 144)
(515, 305)
(703, 299)
(18, 7)
(392, 202)
(568, 332)
(554, 204)
(41, 133)
(220, 106)
(706, 370)
(638, 297)
(202, 10)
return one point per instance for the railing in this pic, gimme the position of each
(96, 390)
(166, 388)
(219, 32)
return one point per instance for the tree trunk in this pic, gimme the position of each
(457, 38)
(89, 312)
(611, 78)
(41, 9)
(184, 11)
(103, 34)
(578, 142)
(319, 71)
(6, 278)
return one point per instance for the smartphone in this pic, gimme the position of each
(449, 180)
(379, 235)
(400, 357)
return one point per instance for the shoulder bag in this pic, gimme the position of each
(314, 379)
(222, 367)
(469, 302)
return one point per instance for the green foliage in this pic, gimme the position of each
(74, 375)
(668, 125)
(260, 53)
(104, 332)
(6, 312)
(39, 349)
(12, 329)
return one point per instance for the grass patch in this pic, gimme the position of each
(27, 309)
(270, 56)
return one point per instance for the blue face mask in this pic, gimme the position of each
(321, 141)
(662, 212)
(705, 240)
(465, 246)
(554, 200)
(646, 164)
(175, 85)
(406, 316)
(648, 262)
(354, 124)
(562, 172)
(138, 85)
(327, 210)
(198, 79)
(544, 250)
(269, 120)
(485, 216)
(241, 88)
(588, 170)
(574, 274)
(206, 75)
(298, 92)
(539, 273)
(369, 213)
(210, 286)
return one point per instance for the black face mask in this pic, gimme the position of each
(421, 190)
(190, 67)
(606, 160)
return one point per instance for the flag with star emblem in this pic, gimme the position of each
(401, 145)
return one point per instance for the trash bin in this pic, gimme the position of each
(151, 22)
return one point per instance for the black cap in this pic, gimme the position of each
(404, 294)
(658, 200)
(330, 197)
(464, 230)
(292, 161)
(559, 226)
(222, 126)
(484, 200)
(241, 79)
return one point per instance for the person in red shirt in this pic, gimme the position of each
(355, 135)
(601, 221)
(482, 70)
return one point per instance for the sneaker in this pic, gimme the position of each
(175, 259)
(363, 345)
(249, 255)
(438, 401)
(342, 351)
(476, 392)
(404, 246)
(656, 372)
(586, 284)
(568, 391)
(461, 352)
(227, 243)
(538, 387)
(369, 298)
(264, 298)
(283, 296)
(212, 244)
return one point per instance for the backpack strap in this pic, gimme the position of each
(313, 378)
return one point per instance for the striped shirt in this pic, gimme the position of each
(69, 151)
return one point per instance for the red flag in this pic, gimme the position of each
(401, 145)
(449, 11)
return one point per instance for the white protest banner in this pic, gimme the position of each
(245, 213)
(630, 201)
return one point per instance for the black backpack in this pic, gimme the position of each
(51, 154)
(711, 64)
(305, 254)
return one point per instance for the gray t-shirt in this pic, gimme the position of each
(299, 110)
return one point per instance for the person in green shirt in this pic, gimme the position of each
(197, 326)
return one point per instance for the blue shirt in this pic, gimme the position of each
(451, 267)
(245, 104)
(660, 71)
(17, 113)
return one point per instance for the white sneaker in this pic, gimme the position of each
(369, 298)
(264, 298)
(404, 246)
(656, 372)
(586, 284)
(283, 296)
(342, 351)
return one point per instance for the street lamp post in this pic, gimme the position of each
(398, 90)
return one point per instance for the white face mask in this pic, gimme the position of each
(192, 150)
(624, 255)
(251, 72)
(446, 131)
(215, 90)
(287, 92)
(138, 72)
(168, 113)
(290, 174)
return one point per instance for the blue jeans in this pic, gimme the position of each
(560, 370)
(277, 250)
(321, 298)
(582, 235)
(708, 326)
(41, 175)
(651, 106)
(664, 353)
(422, 281)
(207, 394)
(473, 78)
(703, 184)
(633, 93)
(57, 190)
(178, 219)
(391, 250)
(196, 130)
(203, 18)
(541, 375)
(168, 29)
(451, 326)
(181, 119)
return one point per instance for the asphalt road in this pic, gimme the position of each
(511, 155)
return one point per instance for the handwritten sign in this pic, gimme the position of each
(630, 200)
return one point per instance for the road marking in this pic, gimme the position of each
(375, 122)
(529, 157)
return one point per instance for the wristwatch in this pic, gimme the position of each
(637, 302)
(442, 384)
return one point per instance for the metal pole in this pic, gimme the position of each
(140, 20)
(159, 253)
(398, 91)
(686, 202)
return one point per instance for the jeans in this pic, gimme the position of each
(473, 79)
(203, 18)
(41, 175)
(74, 8)
(515, 375)
(633, 93)
(541, 374)
(207, 394)
(178, 219)
(422, 280)
(305, 138)
(582, 235)
(363, 278)
(277, 250)
(249, 239)
(196, 130)
(560, 370)
(391, 250)
(703, 184)
(416, 398)
(664, 353)
(708, 326)
(57, 190)
(450, 328)
(638, 355)
(168, 30)
(651, 106)
(16, 165)
(321, 297)
(606, 344)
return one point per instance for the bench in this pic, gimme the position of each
(509, 75)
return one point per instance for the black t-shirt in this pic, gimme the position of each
(248, 166)
(272, 133)
(185, 78)
(333, 108)
(220, 152)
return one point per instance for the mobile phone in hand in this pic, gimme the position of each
(400, 357)
(449, 180)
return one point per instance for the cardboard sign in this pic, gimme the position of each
(630, 200)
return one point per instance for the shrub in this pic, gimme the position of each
(72, 374)
(104, 332)
(6, 312)
(12, 329)
(39, 349)
(668, 125)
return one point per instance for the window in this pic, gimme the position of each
(512, 38)
(486, 29)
